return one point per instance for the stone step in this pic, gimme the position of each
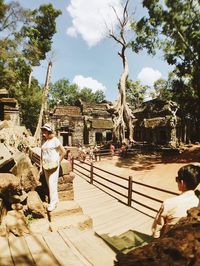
(65, 208)
(89, 245)
(66, 195)
(39, 226)
(80, 221)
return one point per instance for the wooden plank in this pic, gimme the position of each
(20, 251)
(93, 202)
(116, 215)
(90, 246)
(88, 194)
(5, 255)
(145, 227)
(62, 252)
(41, 254)
(129, 225)
(131, 220)
(98, 212)
(105, 221)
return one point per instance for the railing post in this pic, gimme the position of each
(91, 173)
(130, 185)
(72, 164)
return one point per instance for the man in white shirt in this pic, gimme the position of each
(175, 208)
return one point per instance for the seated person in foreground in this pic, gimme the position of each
(173, 209)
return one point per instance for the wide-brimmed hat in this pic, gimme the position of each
(47, 127)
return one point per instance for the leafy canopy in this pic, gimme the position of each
(135, 93)
(25, 39)
(174, 26)
(64, 93)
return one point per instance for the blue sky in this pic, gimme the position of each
(82, 52)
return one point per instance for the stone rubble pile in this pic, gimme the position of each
(15, 137)
(179, 246)
(23, 190)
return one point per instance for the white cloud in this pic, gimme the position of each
(89, 18)
(71, 31)
(148, 76)
(88, 82)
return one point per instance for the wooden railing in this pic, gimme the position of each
(137, 148)
(135, 194)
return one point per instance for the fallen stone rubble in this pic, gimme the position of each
(23, 189)
(179, 246)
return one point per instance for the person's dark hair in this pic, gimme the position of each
(190, 174)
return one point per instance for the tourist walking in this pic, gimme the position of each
(52, 153)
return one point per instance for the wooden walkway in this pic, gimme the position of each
(108, 214)
(68, 247)
(72, 247)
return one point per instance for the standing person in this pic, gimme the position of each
(112, 150)
(95, 152)
(69, 157)
(91, 153)
(52, 153)
(173, 209)
(123, 150)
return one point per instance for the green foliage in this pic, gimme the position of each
(30, 218)
(174, 26)
(163, 90)
(26, 38)
(40, 32)
(87, 95)
(99, 96)
(135, 93)
(30, 104)
(64, 93)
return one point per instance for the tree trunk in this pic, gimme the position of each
(122, 115)
(37, 134)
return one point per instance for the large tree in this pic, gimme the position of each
(87, 95)
(25, 40)
(136, 93)
(162, 90)
(174, 26)
(62, 92)
(122, 114)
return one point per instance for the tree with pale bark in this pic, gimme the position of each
(122, 114)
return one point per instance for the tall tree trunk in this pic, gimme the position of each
(37, 134)
(122, 115)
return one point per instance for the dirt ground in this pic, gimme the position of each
(153, 168)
